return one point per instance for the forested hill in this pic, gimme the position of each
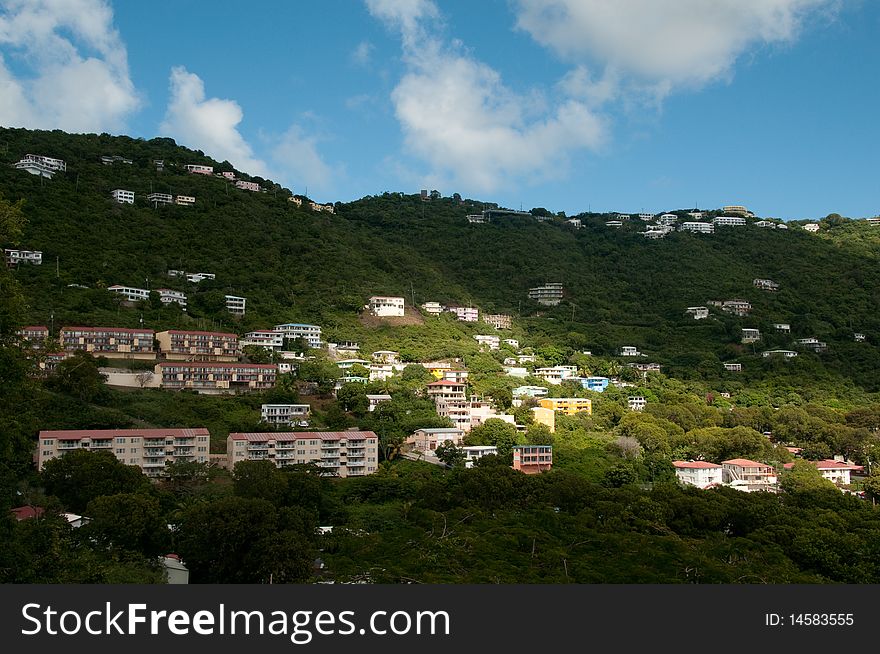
(295, 264)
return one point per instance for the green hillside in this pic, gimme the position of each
(294, 264)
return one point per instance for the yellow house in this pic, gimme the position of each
(546, 417)
(567, 405)
(437, 368)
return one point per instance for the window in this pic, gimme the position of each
(120, 450)
(120, 440)
(133, 450)
(48, 442)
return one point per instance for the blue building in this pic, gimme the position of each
(597, 384)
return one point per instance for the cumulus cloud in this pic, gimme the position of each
(297, 153)
(66, 66)
(458, 115)
(209, 124)
(665, 43)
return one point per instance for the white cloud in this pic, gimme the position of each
(210, 125)
(362, 53)
(71, 66)
(457, 114)
(297, 153)
(663, 43)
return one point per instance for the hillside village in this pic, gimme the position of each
(737, 383)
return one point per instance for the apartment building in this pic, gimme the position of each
(338, 454)
(636, 403)
(292, 331)
(701, 474)
(235, 304)
(122, 196)
(185, 345)
(215, 377)
(37, 164)
(646, 216)
(110, 342)
(15, 257)
(458, 376)
(729, 221)
(465, 314)
(697, 227)
(532, 459)
(167, 296)
(199, 170)
(328, 208)
(385, 306)
(432, 308)
(782, 327)
(498, 320)
(429, 439)
(530, 391)
(286, 415)
(748, 475)
(130, 293)
(567, 405)
(733, 367)
(699, 313)
(160, 198)
(493, 342)
(629, 351)
(667, 219)
(736, 307)
(269, 339)
(386, 356)
(477, 218)
(446, 390)
(596, 384)
(549, 294)
(36, 335)
(788, 354)
(195, 278)
(185, 200)
(247, 186)
(555, 374)
(149, 449)
(751, 335)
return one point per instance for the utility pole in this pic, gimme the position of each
(57, 272)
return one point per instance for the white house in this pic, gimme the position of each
(235, 305)
(376, 400)
(465, 314)
(385, 307)
(167, 296)
(129, 293)
(185, 200)
(294, 330)
(701, 474)
(474, 453)
(285, 414)
(629, 351)
(512, 342)
(750, 335)
(195, 278)
(788, 354)
(555, 374)
(39, 165)
(697, 227)
(494, 342)
(15, 257)
(766, 284)
(269, 339)
(811, 227)
(122, 196)
(729, 221)
(199, 170)
(782, 327)
(433, 308)
(699, 313)
(733, 367)
(766, 224)
(668, 219)
(636, 403)
(247, 186)
(159, 198)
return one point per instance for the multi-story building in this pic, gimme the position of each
(446, 390)
(645, 367)
(285, 414)
(567, 405)
(549, 294)
(477, 218)
(667, 219)
(530, 391)
(629, 351)
(15, 257)
(385, 306)
(512, 342)
(697, 227)
(699, 313)
(247, 186)
(736, 307)
(110, 342)
(812, 343)
(375, 400)
(737, 210)
(733, 367)
(185, 345)
(574, 222)
(185, 200)
(465, 314)
(160, 198)
(473, 453)
(199, 170)
(498, 320)
(766, 284)
(129, 293)
(386, 356)
(457, 376)
(766, 224)
(339, 453)
(269, 339)
(493, 342)
(167, 296)
(617, 224)
(195, 278)
(646, 216)
(228, 174)
(750, 335)
(215, 376)
(729, 221)
(37, 164)
(782, 327)
(556, 374)
(235, 304)
(834, 470)
(788, 354)
(701, 474)
(149, 449)
(636, 403)
(432, 308)
(122, 196)
(532, 459)
(36, 335)
(596, 384)
(748, 475)
(292, 331)
(328, 208)
(429, 439)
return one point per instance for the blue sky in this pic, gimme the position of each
(635, 105)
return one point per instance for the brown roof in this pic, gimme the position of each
(79, 434)
(298, 435)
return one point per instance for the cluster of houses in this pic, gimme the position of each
(750, 476)
(130, 294)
